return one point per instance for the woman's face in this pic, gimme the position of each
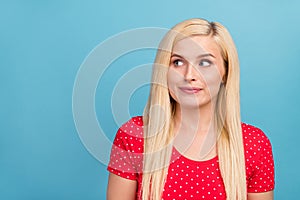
(196, 71)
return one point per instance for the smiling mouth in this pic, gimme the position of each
(190, 90)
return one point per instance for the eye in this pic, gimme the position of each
(205, 63)
(178, 63)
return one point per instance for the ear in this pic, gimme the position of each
(224, 79)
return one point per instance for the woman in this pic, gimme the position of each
(190, 142)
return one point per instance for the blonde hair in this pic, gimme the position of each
(160, 109)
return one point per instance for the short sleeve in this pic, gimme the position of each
(259, 158)
(127, 150)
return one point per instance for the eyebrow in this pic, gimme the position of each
(200, 56)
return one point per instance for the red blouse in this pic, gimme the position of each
(187, 179)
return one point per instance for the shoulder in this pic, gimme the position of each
(258, 159)
(130, 135)
(254, 137)
(257, 147)
(126, 152)
(132, 128)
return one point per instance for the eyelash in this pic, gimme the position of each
(205, 60)
(201, 61)
(175, 61)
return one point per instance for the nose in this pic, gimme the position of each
(190, 73)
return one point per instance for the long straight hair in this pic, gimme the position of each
(159, 114)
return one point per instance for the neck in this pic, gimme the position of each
(195, 133)
(194, 120)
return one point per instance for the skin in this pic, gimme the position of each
(194, 78)
(261, 196)
(120, 188)
(195, 74)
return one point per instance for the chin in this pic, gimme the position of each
(192, 102)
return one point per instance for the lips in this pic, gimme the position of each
(190, 90)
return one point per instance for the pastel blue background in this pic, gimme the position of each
(43, 43)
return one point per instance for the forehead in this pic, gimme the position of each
(197, 45)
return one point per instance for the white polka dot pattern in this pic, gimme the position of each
(127, 151)
(259, 160)
(189, 179)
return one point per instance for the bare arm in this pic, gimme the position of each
(261, 196)
(120, 188)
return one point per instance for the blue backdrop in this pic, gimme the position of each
(44, 43)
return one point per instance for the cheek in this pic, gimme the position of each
(213, 79)
(173, 79)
